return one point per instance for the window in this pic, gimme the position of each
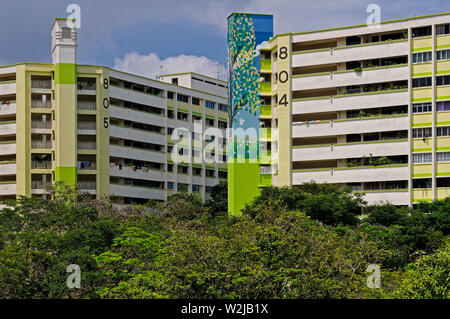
(182, 187)
(443, 131)
(66, 33)
(182, 98)
(170, 95)
(209, 104)
(443, 29)
(443, 55)
(195, 101)
(443, 157)
(170, 185)
(208, 189)
(421, 57)
(223, 107)
(443, 106)
(422, 158)
(421, 107)
(421, 32)
(175, 81)
(443, 80)
(422, 183)
(196, 188)
(422, 132)
(421, 82)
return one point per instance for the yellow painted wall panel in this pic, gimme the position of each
(443, 168)
(422, 118)
(422, 42)
(422, 169)
(443, 92)
(442, 117)
(443, 40)
(443, 143)
(443, 67)
(421, 68)
(443, 192)
(421, 93)
(419, 144)
(422, 193)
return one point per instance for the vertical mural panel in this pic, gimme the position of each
(247, 34)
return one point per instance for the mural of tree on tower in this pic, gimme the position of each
(243, 79)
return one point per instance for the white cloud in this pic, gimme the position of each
(150, 65)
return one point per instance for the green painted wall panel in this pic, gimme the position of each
(65, 73)
(243, 185)
(68, 175)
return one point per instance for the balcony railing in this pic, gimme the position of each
(41, 104)
(86, 125)
(41, 84)
(39, 184)
(87, 105)
(41, 144)
(85, 185)
(87, 145)
(41, 124)
(86, 165)
(86, 86)
(41, 165)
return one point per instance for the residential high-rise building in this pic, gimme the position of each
(364, 106)
(108, 131)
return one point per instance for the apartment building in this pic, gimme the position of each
(361, 106)
(110, 132)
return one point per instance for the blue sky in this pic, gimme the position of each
(140, 35)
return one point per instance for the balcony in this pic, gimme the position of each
(83, 145)
(351, 102)
(350, 150)
(136, 191)
(41, 104)
(41, 84)
(351, 174)
(40, 185)
(143, 173)
(8, 128)
(8, 168)
(8, 148)
(8, 88)
(41, 144)
(86, 165)
(41, 164)
(87, 125)
(350, 126)
(395, 197)
(7, 107)
(7, 188)
(41, 124)
(136, 97)
(137, 134)
(135, 115)
(366, 51)
(137, 153)
(86, 85)
(350, 77)
(87, 185)
(86, 105)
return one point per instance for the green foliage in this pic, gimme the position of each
(217, 204)
(39, 239)
(328, 204)
(290, 243)
(427, 278)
